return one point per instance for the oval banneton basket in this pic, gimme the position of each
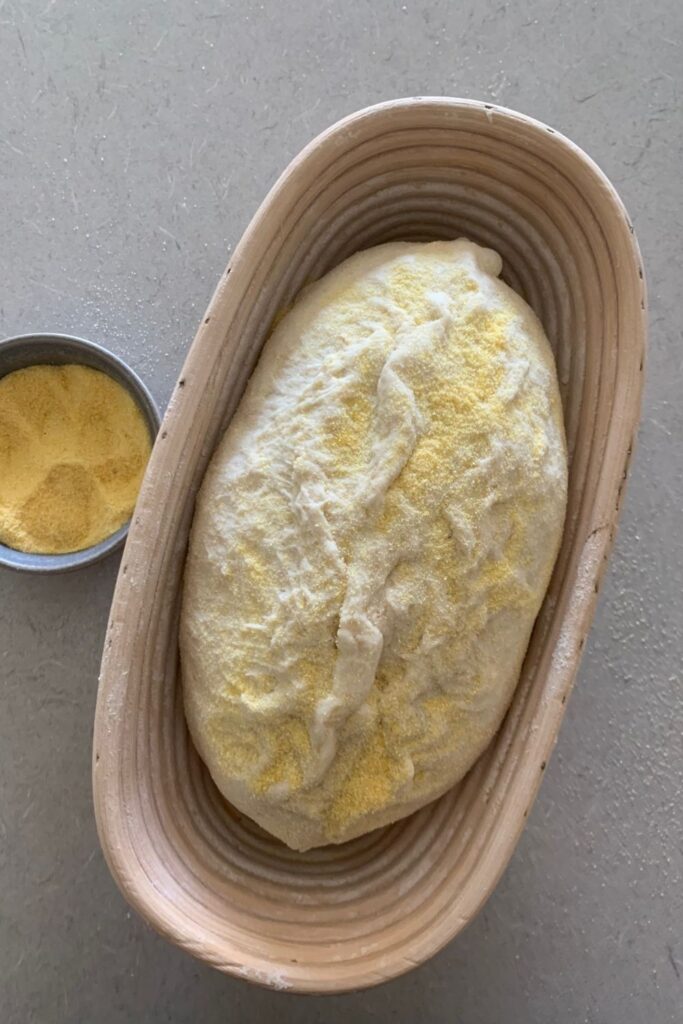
(206, 877)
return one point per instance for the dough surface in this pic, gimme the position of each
(372, 543)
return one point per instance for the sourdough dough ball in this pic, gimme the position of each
(372, 543)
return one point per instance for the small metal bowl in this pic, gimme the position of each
(58, 349)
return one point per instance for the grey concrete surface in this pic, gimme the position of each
(135, 142)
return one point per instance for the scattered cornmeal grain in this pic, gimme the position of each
(73, 448)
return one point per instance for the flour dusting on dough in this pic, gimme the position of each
(372, 543)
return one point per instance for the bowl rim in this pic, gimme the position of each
(118, 370)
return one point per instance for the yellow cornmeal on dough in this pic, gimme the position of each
(73, 449)
(372, 543)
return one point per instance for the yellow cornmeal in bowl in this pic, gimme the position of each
(73, 449)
